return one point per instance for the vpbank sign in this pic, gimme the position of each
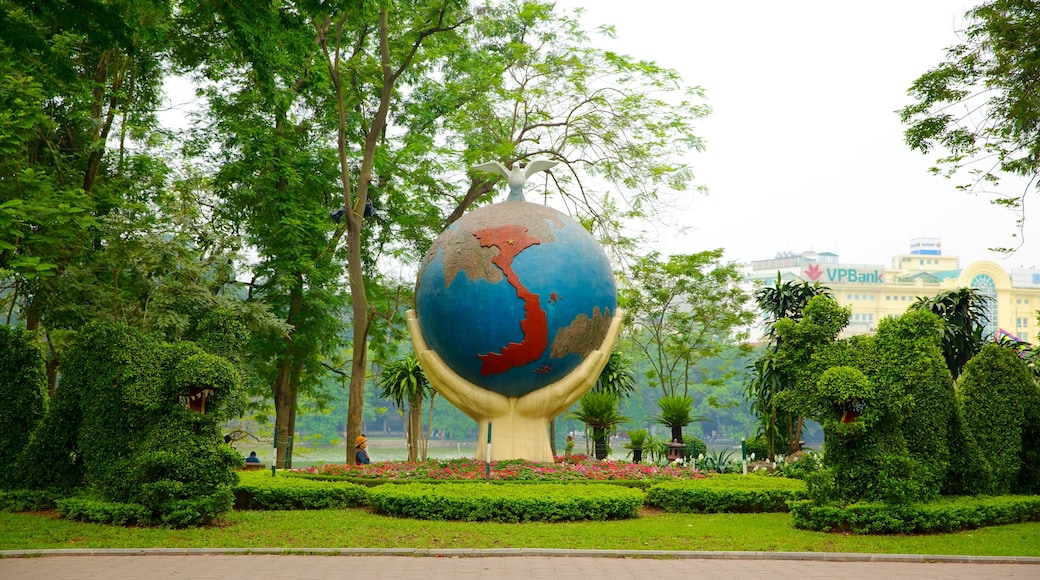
(844, 275)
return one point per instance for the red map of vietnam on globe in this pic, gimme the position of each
(511, 239)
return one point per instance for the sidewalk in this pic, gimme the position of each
(498, 564)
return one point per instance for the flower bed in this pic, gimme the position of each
(574, 468)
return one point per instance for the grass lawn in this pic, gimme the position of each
(358, 528)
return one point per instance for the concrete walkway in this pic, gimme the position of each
(326, 564)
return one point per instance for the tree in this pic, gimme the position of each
(404, 383)
(765, 381)
(964, 312)
(79, 98)
(599, 412)
(529, 83)
(979, 105)
(681, 311)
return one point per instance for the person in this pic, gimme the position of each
(361, 451)
(252, 458)
(570, 446)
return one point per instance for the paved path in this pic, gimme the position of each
(501, 564)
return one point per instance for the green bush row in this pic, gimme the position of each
(260, 491)
(174, 513)
(548, 502)
(27, 500)
(643, 484)
(726, 493)
(97, 511)
(944, 515)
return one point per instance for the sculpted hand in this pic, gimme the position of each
(520, 424)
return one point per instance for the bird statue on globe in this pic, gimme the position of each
(515, 317)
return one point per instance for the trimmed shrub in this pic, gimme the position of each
(258, 490)
(994, 391)
(26, 500)
(102, 512)
(22, 384)
(737, 493)
(941, 516)
(508, 502)
(119, 425)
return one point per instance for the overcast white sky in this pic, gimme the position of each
(805, 150)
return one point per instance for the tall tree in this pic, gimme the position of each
(682, 310)
(979, 106)
(92, 227)
(529, 83)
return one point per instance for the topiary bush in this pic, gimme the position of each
(120, 426)
(995, 390)
(507, 502)
(258, 490)
(22, 384)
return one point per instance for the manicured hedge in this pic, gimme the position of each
(550, 502)
(26, 500)
(727, 493)
(258, 490)
(940, 516)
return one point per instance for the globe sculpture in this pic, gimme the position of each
(516, 312)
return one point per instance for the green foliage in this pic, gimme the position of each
(79, 509)
(18, 500)
(993, 74)
(682, 311)
(964, 312)
(119, 424)
(726, 493)
(507, 502)
(693, 447)
(636, 438)
(912, 367)
(675, 412)
(599, 412)
(718, 461)
(22, 384)
(616, 377)
(258, 490)
(994, 392)
(943, 516)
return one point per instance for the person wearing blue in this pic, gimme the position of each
(252, 458)
(361, 451)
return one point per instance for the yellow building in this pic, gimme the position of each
(875, 291)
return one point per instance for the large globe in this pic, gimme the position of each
(514, 295)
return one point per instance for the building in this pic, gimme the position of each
(875, 291)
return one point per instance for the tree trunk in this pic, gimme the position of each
(282, 404)
(414, 427)
(599, 437)
(677, 433)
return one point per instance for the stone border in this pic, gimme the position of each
(541, 552)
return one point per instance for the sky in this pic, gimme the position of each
(805, 149)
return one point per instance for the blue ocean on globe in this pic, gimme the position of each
(514, 295)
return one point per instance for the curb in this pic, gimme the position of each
(532, 552)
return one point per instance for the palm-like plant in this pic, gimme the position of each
(599, 412)
(965, 312)
(616, 378)
(787, 299)
(782, 300)
(403, 381)
(675, 412)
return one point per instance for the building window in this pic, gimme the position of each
(985, 285)
(887, 297)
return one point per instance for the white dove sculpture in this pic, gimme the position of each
(518, 175)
